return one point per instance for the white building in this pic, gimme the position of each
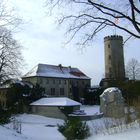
(59, 81)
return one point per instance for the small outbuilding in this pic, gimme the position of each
(54, 107)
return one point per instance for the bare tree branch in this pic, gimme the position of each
(99, 15)
(134, 7)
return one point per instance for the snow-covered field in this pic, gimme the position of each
(35, 127)
(7, 134)
(90, 110)
(129, 135)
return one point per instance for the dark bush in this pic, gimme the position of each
(74, 129)
(4, 116)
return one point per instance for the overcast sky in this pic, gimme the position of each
(43, 41)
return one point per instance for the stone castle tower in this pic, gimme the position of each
(114, 57)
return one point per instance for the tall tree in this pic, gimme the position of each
(89, 17)
(10, 50)
(10, 55)
(133, 69)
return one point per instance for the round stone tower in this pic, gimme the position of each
(114, 57)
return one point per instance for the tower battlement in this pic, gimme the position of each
(113, 37)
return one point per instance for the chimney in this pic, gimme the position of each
(69, 68)
(60, 66)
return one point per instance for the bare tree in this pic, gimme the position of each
(10, 50)
(8, 16)
(133, 69)
(10, 55)
(89, 17)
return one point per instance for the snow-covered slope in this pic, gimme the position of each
(7, 134)
(129, 135)
(35, 127)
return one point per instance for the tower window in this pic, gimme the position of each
(108, 45)
(109, 57)
(110, 70)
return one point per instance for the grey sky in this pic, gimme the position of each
(42, 41)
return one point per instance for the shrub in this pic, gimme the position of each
(4, 116)
(73, 128)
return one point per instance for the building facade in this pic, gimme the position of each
(58, 81)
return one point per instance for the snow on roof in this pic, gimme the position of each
(59, 71)
(55, 102)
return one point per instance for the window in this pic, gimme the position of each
(41, 80)
(61, 91)
(108, 45)
(65, 82)
(53, 81)
(47, 81)
(70, 90)
(83, 82)
(59, 81)
(52, 91)
(77, 83)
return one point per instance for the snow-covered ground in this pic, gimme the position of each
(35, 127)
(90, 110)
(129, 135)
(8, 134)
